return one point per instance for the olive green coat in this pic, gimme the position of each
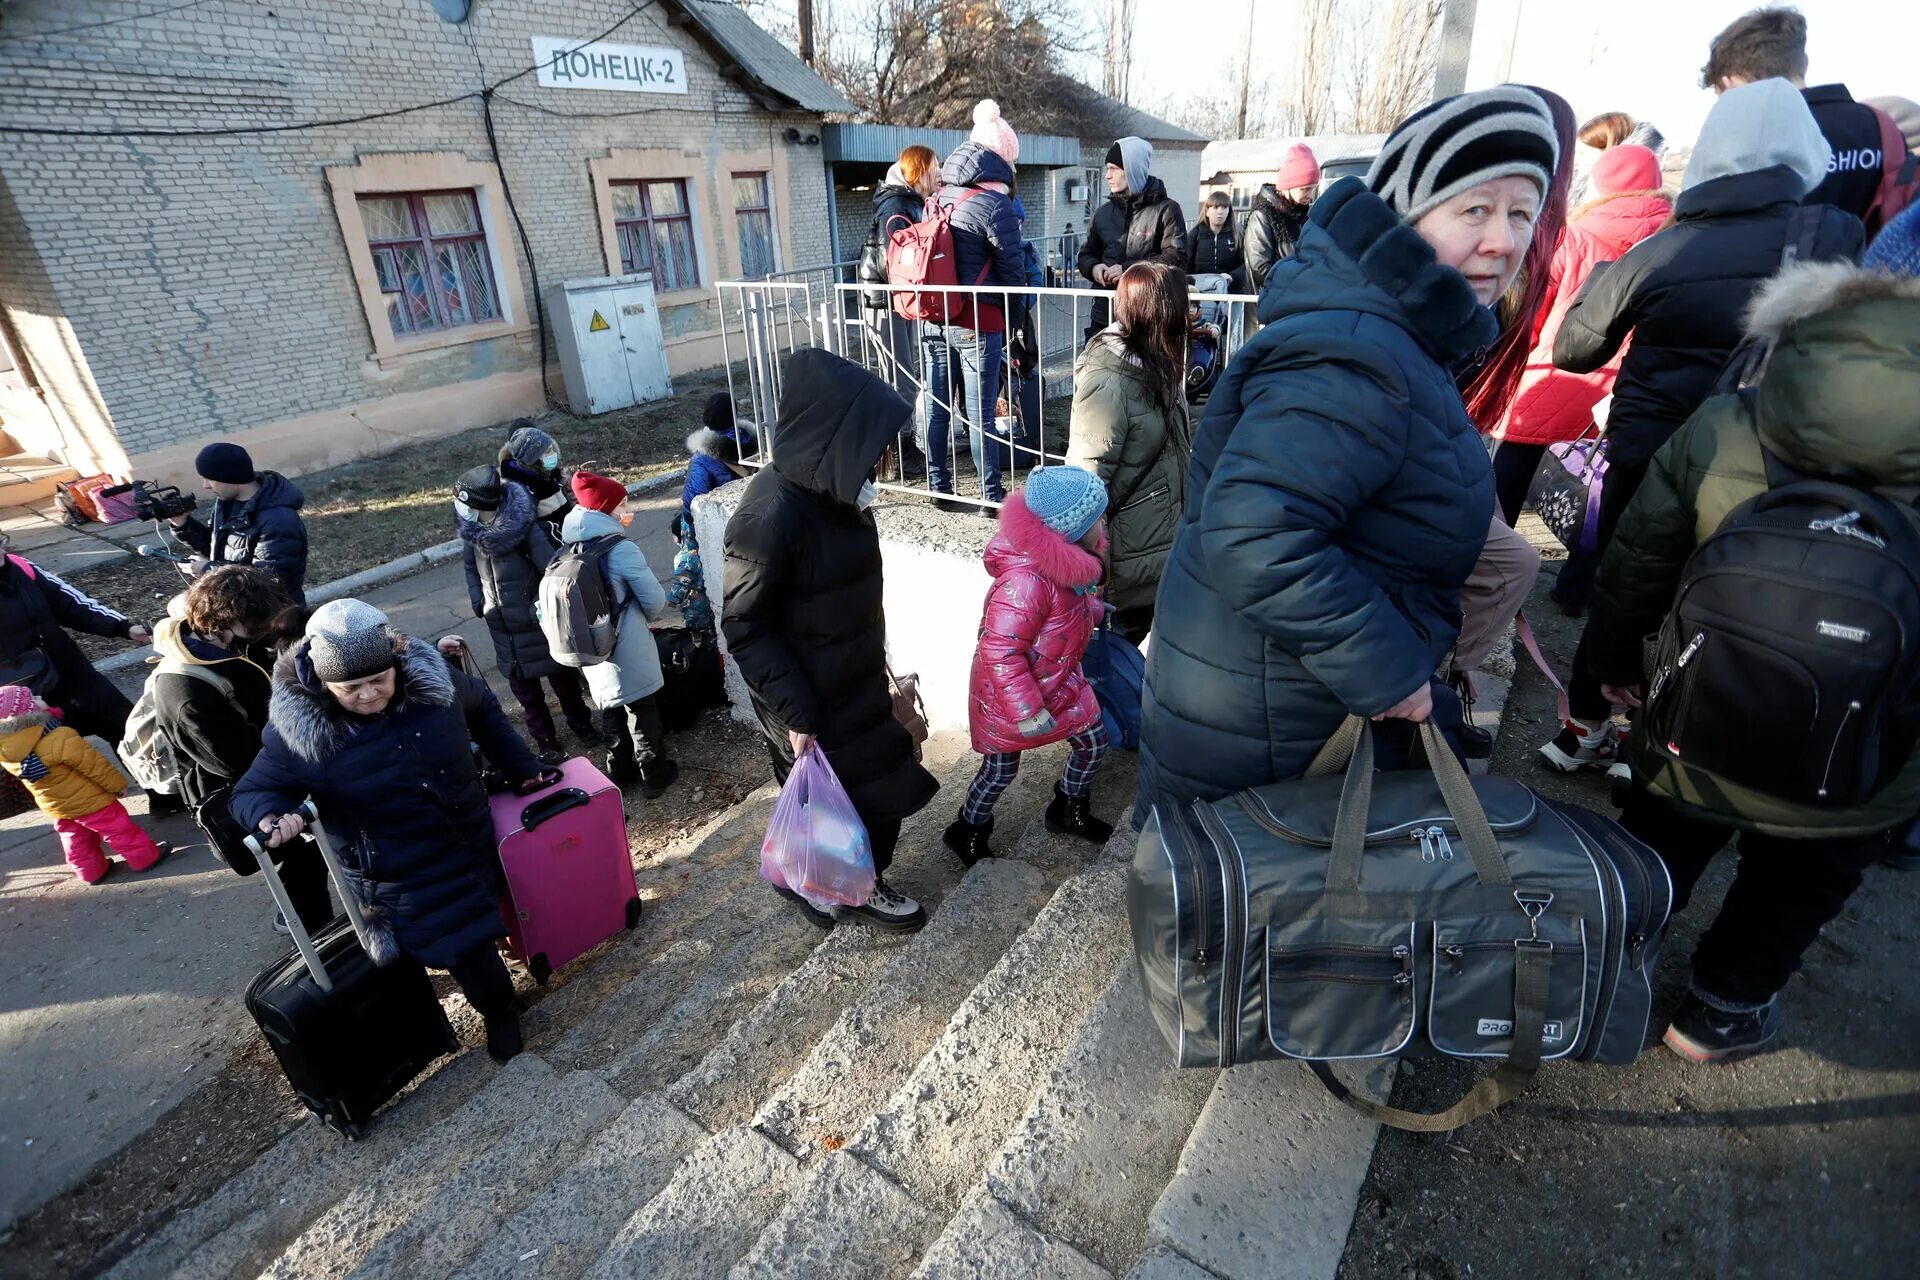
(1840, 397)
(1140, 452)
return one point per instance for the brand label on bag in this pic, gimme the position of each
(1492, 1027)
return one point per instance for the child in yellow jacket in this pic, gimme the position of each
(74, 785)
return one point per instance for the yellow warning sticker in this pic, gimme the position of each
(599, 324)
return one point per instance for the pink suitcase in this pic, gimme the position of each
(570, 880)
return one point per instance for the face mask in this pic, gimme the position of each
(867, 496)
(462, 510)
(551, 462)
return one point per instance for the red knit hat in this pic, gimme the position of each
(1625, 168)
(597, 493)
(1299, 169)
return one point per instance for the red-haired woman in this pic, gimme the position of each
(1130, 428)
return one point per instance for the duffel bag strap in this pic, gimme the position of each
(1356, 801)
(1507, 1081)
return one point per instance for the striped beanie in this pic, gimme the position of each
(1460, 142)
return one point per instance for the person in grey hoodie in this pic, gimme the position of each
(623, 686)
(1139, 222)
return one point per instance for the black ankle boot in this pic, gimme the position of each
(503, 1036)
(968, 842)
(1073, 816)
(656, 776)
(622, 769)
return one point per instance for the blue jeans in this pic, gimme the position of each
(962, 368)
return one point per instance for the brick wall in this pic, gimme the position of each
(207, 279)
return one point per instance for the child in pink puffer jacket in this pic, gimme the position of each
(1027, 689)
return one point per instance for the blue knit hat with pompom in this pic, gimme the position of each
(1896, 250)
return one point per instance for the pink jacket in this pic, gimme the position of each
(1552, 405)
(1039, 615)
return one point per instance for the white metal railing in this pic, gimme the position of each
(974, 454)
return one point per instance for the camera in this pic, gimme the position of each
(156, 501)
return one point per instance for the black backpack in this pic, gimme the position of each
(1790, 661)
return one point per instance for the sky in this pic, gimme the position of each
(1638, 56)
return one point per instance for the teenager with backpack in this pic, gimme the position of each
(1680, 296)
(623, 683)
(1781, 716)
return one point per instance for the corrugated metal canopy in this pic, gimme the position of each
(883, 143)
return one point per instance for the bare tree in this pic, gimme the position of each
(1403, 38)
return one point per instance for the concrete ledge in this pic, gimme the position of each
(935, 589)
(381, 574)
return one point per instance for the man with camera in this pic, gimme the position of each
(256, 520)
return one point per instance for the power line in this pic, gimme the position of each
(105, 22)
(225, 131)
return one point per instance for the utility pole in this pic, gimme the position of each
(1456, 47)
(805, 17)
(1246, 78)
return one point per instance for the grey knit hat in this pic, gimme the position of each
(1457, 143)
(527, 445)
(349, 640)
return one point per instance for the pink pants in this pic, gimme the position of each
(82, 837)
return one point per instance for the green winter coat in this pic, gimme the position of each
(1841, 397)
(1140, 452)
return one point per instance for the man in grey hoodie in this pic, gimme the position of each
(1138, 223)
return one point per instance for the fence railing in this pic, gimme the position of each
(988, 406)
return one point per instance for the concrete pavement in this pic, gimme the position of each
(117, 1000)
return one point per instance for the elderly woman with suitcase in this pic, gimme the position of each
(374, 726)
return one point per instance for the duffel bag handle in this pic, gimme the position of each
(1356, 800)
(1507, 1081)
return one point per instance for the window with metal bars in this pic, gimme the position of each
(430, 255)
(653, 221)
(753, 211)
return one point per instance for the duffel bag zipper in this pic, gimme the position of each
(1200, 913)
(1456, 952)
(1231, 948)
(1364, 965)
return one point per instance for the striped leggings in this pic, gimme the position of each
(998, 768)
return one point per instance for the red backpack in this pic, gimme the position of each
(922, 254)
(1900, 181)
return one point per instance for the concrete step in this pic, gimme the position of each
(382, 1201)
(1269, 1178)
(843, 1222)
(1090, 1158)
(764, 1047)
(27, 480)
(877, 1039)
(739, 979)
(708, 1215)
(570, 1222)
(236, 1230)
(937, 1131)
(1162, 1263)
(987, 1241)
(465, 1208)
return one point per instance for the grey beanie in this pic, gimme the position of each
(526, 446)
(1458, 143)
(349, 640)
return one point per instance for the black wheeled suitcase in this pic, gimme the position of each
(348, 1034)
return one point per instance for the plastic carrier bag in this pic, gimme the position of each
(816, 844)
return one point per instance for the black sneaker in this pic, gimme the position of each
(822, 918)
(1701, 1033)
(886, 909)
(503, 1038)
(1476, 743)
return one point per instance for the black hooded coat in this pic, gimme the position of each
(802, 610)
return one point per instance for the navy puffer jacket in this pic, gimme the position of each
(986, 227)
(1337, 500)
(398, 793)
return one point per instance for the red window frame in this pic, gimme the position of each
(756, 215)
(425, 299)
(633, 234)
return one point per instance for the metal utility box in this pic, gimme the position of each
(612, 353)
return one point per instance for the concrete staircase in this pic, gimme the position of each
(730, 1092)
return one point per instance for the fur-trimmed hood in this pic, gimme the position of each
(1841, 391)
(1024, 542)
(308, 719)
(723, 446)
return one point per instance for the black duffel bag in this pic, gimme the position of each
(1397, 914)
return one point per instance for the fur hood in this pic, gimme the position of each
(309, 721)
(725, 446)
(1024, 542)
(21, 734)
(1820, 288)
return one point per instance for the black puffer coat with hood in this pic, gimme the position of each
(802, 611)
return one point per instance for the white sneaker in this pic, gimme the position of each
(1573, 750)
(886, 909)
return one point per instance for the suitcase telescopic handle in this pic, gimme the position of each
(302, 940)
(547, 808)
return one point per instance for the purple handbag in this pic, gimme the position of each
(1566, 491)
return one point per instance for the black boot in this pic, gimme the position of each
(503, 1036)
(1475, 743)
(656, 776)
(1073, 816)
(968, 842)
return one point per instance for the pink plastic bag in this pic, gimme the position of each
(816, 844)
